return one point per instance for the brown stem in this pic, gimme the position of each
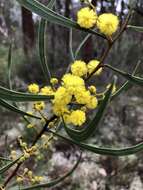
(43, 129)
(103, 57)
(12, 175)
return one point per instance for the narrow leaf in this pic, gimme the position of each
(11, 95)
(71, 45)
(42, 44)
(136, 28)
(15, 109)
(42, 49)
(81, 45)
(52, 16)
(132, 79)
(56, 181)
(126, 85)
(103, 151)
(9, 66)
(51, 4)
(6, 167)
(90, 129)
(5, 159)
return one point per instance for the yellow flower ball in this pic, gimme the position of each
(79, 68)
(30, 174)
(19, 179)
(92, 89)
(82, 96)
(77, 117)
(46, 90)
(60, 109)
(54, 81)
(26, 170)
(108, 23)
(38, 106)
(13, 155)
(86, 17)
(30, 125)
(33, 88)
(66, 118)
(92, 65)
(72, 83)
(61, 99)
(92, 104)
(62, 96)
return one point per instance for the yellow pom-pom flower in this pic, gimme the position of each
(61, 99)
(77, 117)
(82, 96)
(92, 89)
(66, 118)
(92, 65)
(54, 81)
(19, 179)
(86, 17)
(108, 23)
(30, 125)
(79, 68)
(13, 155)
(33, 88)
(38, 106)
(92, 104)
(62, 96)
(46, 90)
(60, 109)
(72, 83)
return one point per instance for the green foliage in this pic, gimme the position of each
(52, 16)
(42, 45)
(71, 135)
(136, 28)
(21, 97)
(9, 165)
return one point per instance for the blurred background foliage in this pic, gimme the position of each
(20, 26)
(124, 116)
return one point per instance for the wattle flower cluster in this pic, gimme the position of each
(107, 23)
(72, 98)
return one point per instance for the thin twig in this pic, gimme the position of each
(43, 129)
(110, 44)
(35, 141)
(12, 175)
